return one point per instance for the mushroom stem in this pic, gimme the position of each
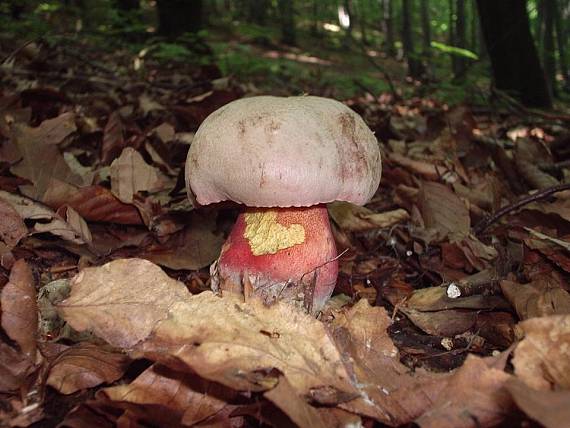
(280, 254)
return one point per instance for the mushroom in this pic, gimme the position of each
(284, 159)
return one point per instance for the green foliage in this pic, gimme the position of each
(452, 50)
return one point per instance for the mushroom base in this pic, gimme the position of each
(286, 254)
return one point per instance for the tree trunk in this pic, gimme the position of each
(176, 17)
(361, 20)
(127, 5)
(451, 35)
(548, 49)
(315, 18)
(514, 59)
(561, 42)
(460, 38)
(287, 21)
(426, 27)
(415, 69)
(388, 24)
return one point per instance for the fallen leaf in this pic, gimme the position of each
(121, 301)
(542, 360)
(549, 408)
(113, 140)
(475, 395)
(131, 174)
(45, 219)
(443, 211)
(19, 308)
(541, 297)
(51, 131)
(170, 398)
(427, 170)
(84, 366)
(354, 218)
(195, 247)
(14, 368)
(12, 227)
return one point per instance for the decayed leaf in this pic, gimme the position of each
(85, 366)
(542, 359)
(93, 203)
(443, 211)
(197, 246)
(170, 398)
(287, 399)
(19, 308)
(237, 344)
(354, 218)
(549, 408)
(539, 298)
(113, 141)
(475, 395)
(12, 227)
(52, 131)
(121, 301)
(40, 163)
(79, 225)
(131, 174)
(31, 210)
(14, 368)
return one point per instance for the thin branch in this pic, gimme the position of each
(538, 196)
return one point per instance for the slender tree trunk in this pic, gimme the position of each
(127, 5)
(361, 20)
(415, 69)
(345, 12)
(548, 48)
(257, 13)
(460, 37)
(388, 24)
(474, 34)
(315, 18)
(426, 27)
(451, 35)
(514, 59)
(176, 17)
(561, 43)
(287, 18)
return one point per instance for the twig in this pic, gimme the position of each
(541, 194)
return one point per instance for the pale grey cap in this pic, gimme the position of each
(280, 152)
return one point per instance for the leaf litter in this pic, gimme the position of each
(443, 316)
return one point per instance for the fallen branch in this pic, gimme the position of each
(538, 196)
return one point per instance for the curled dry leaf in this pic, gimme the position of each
(121, 301)
(93, 203)
(241, 347)
(542, 359)
(85, 366)
(443, 211)
(541, 297)
(131, 174)
(31, 210)
(170, 398)
(475, 395)
(353, 218)
(12, 227)
(549, 408)
(19, 308)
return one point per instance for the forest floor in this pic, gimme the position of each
(452, 305)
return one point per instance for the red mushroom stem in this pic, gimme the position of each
(281, 254)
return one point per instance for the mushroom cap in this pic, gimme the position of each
(270, 151)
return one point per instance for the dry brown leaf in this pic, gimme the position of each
(131, 174)
(475, 396)
(542, 359)
(84, 366)
(113, 141)
(238, 344)
(442, 323)
(121, 301)
(14, 368)
(31, 210)
(40, 163)
(443, 211)
(76, 222)
(528, 154)
(354, 218)
(170, 398)
(12, 227)
(549, 408)
(427, 170)
(19, 308)
(52, 131)
(195, 247)
(541, 297)
(93, 203)
(287, 399)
